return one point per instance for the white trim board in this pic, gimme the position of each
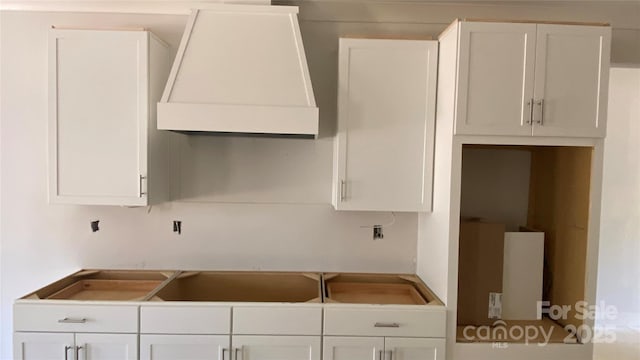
(127, 7)
(177, 7)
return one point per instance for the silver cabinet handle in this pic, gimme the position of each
(386, 325)
(381, 355)
(541, 104)
(78, 348)
(236, 350)
(140, 192)
(390, 354)
(530, 104)
(72, 321)
(343, 190)
(66, 352)
(224, 351)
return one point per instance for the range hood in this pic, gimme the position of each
(240, 69)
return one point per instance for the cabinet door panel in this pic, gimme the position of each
(191, 347)
(572, 75)
(107, 346)
(495, 82)
(276, 347)
(98, 112)
(353, 348)
(415, 349)
(386, 107)
(42, 346)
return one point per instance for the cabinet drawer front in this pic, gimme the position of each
(185, 319)
(277, 320)
(381, 322)
(76, 318)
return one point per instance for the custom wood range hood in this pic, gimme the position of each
(240, 69)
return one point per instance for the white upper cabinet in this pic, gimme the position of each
(386, 106)
(495, 82)
(527, 79)
(571, 82)
(104, 148)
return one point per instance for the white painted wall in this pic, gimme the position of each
(619, 257)
(495, 185)
(292, 228)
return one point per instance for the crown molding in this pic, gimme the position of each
(166, 7)
(178, 7)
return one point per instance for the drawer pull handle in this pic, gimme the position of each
(386, 325)
(72, 321)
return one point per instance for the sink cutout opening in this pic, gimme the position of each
(243, 287)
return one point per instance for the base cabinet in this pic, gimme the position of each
(276, 347)
(353, 348)
(70, 346)
(42, 346)
(383, 348)
(192, 347)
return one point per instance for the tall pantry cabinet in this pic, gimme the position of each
(104, 146)
(539, 92)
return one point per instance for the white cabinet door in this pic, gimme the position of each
(43, 346)
(275, 347)
(353, 348)
(103, 89)
(495, 78)
(415, 348)
(107, 346)
(187, 347)
(571, 80)
(386, 109)
(98, 116)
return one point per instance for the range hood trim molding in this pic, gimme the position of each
(256, 119)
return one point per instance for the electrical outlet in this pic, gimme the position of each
(377, 232)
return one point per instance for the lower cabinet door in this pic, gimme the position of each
(414, 348)
(43, 346)
(353, 348)
(275, 347)
(106, 346)
(184, 347)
